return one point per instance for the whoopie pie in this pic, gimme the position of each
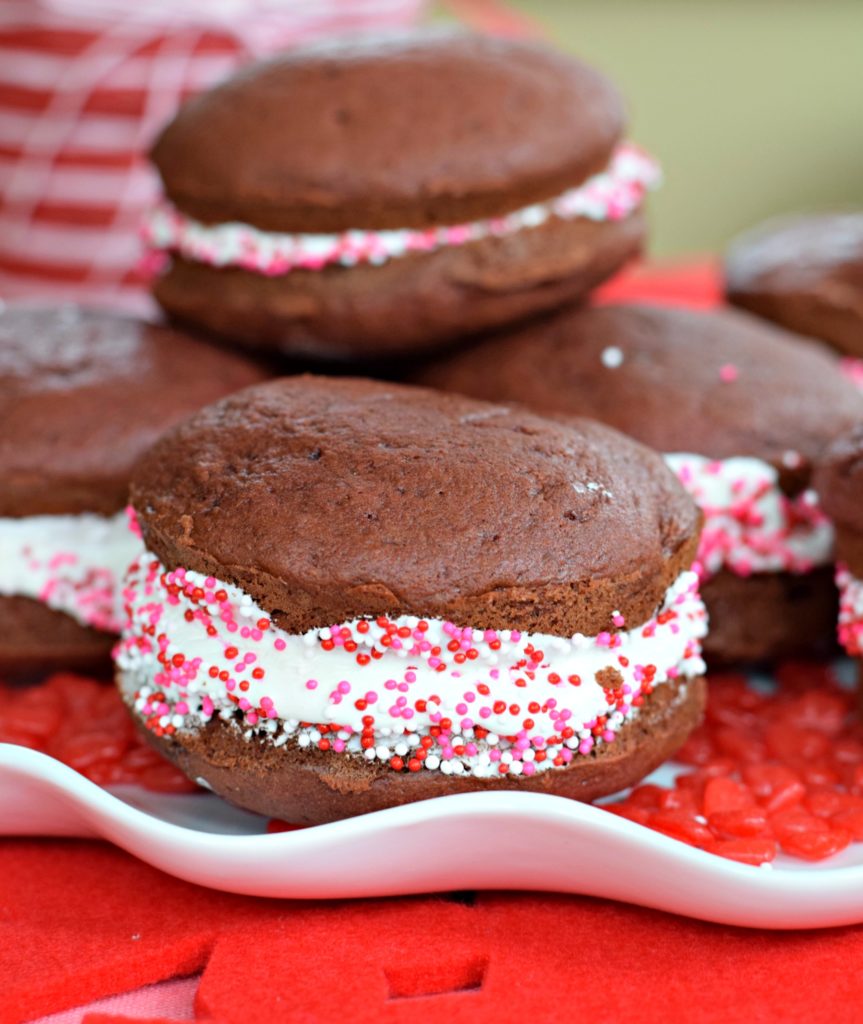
(805, 273)
(82, 395)
(358, 594)
(740, 409)
(369, 197)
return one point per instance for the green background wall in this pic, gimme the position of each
(754, 106)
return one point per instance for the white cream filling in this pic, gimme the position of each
(850, 629)
(612, 194)
(750, 525)
(195, 647)
(72, 563)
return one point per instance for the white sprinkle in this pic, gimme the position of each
(612, 357)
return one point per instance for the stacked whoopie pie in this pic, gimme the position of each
(742, 411)
(384, 197)
(82, 396)
(346, 595)
(352, 594)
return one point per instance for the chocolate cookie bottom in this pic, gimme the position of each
(36, 639)
(770, 615)
(308, 786)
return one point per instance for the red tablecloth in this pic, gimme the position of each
(81, 920)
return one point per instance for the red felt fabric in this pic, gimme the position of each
(71, 911)
(81, 920)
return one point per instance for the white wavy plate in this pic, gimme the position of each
(504, 840)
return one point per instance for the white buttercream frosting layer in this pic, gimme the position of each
(850, 630)
(750, 525)
(414, 693)
(612, 194)
(73, 563)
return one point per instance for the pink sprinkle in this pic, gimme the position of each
(728, 373)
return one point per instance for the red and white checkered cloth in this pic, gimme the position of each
(85, 85)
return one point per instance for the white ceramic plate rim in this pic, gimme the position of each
(502, 840)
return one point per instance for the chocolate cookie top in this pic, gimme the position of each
(404, 130)
(718, 384)
(805, 273)
(329, 499)
(83, 394)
